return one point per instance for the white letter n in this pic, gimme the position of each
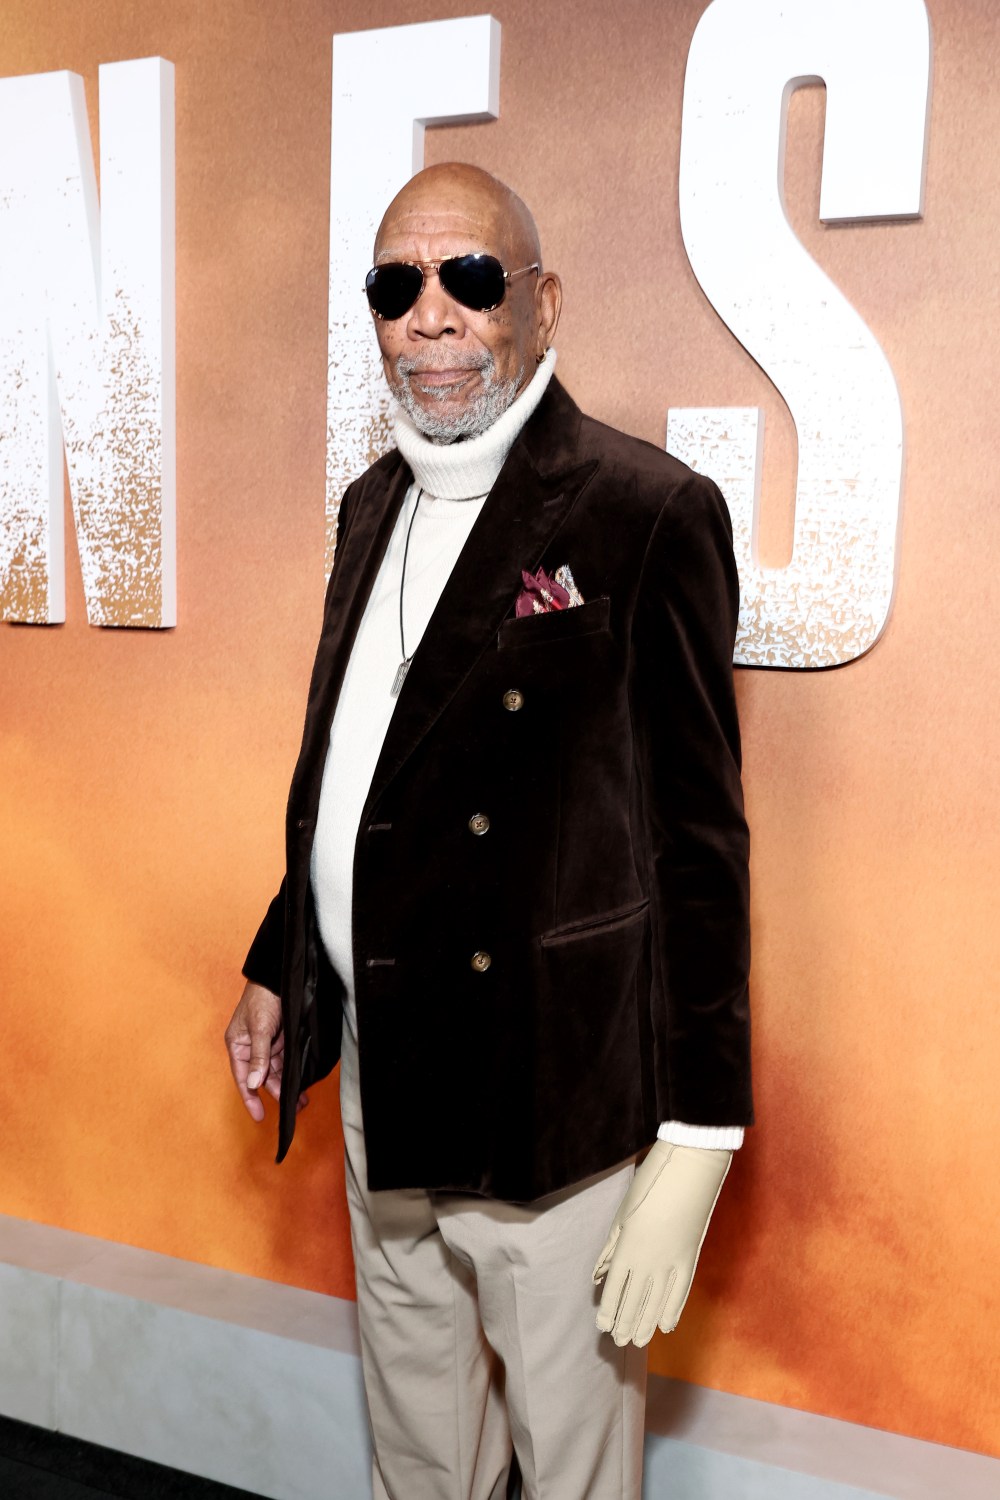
(87, 345)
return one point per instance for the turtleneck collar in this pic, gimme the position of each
(468, 469)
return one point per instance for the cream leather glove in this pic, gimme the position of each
(656, 1238)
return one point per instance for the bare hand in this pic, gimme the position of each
(256, 1046)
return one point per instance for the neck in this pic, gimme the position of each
(468, 469)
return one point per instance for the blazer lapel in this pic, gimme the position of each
(358, 558)
(534, 493)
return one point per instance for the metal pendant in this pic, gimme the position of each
(401, 671)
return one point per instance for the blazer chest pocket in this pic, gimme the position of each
(558, 626)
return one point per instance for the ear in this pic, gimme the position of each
(548, 304)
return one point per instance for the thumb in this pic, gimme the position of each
(604, 1259)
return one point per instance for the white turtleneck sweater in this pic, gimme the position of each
(450, 484)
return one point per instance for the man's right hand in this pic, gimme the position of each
(256, 1046)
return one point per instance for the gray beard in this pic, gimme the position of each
(481, 412)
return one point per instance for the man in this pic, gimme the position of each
(515, 903)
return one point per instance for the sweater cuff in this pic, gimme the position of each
(714, 1137)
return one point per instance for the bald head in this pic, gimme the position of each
(462, 192)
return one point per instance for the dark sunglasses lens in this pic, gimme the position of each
(393, 289)
(474, 280)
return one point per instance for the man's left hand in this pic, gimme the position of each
(655, 1240)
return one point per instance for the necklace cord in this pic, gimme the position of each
(402, 577)
(404, 665)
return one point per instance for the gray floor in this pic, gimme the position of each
(258, 1386)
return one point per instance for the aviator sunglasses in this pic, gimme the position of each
(478, 282)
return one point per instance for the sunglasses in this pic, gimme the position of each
(477, 281)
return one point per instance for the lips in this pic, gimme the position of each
(439, 378)
(442, 372)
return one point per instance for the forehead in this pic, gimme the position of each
(428, 231)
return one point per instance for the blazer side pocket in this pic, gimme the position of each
(571, 932)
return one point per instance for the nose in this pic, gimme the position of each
(434, 313)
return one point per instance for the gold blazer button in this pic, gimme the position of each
(513, 700)
(478, 823)
(480, 962)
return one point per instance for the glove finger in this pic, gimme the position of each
(615, 1289)
(632, 1308)
(604, 1259)
(649, 1320)
(673, 1306)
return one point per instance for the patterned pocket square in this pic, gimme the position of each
(542, 595)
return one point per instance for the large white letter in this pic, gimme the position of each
(87, 336)
(387, 86)
(747, 56)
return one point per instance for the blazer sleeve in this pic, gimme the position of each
(263, 963)
(264, 960)
(697, 841)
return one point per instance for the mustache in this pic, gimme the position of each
(467, 359)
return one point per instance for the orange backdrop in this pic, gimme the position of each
(851, 1268)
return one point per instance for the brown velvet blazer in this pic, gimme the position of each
(610, 890)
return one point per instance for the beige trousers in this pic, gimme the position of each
(478, 1339)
